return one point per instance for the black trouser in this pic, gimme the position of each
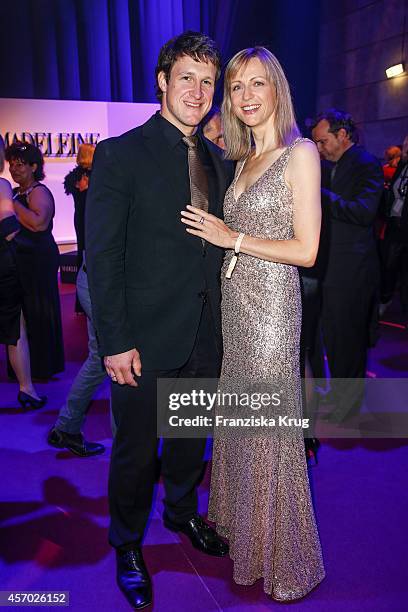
(394, 263)
(134, 451)
(311, 350)
(346, 317)
(310, 338)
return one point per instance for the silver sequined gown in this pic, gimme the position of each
(260, 497)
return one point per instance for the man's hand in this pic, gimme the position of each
(119, 367)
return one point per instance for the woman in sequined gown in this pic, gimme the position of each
(260, 497)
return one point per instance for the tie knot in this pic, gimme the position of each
(190, 141)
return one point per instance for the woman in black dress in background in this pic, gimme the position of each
(37, 260)
(12, 325)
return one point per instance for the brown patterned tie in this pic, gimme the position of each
(198, 177)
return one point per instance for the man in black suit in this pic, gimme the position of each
(394, 247)
(156, 298)
(351, 190)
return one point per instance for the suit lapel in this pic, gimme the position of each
(342, 174)
(162, 154)
(167, 166)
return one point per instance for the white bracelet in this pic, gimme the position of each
(234, 259)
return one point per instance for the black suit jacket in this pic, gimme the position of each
(146, 273)
(348, 256)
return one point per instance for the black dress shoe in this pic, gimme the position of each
(133, 578)
(201, 535)
(76, 443)
(28, 401)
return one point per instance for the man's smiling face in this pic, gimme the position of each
(188, 94)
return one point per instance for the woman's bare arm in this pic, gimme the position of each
(39, 213)
(6, 204)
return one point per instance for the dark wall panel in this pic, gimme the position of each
(359, 40)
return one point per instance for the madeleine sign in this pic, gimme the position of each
(58, 127)
(62, 144)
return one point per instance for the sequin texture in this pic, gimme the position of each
(260, 497)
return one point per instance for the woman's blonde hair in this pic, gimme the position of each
(85, 155)
(237, 135)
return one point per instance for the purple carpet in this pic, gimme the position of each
(54, 515)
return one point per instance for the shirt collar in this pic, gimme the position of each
(346, 153)
(171, 133)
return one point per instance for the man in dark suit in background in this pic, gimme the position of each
(156, 297)
(394, 247)
(351, 190)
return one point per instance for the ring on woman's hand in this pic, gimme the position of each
(201, 220)
(113, 377)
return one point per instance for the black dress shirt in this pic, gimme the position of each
(174, 138)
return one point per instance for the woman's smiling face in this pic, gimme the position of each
(253, 96)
